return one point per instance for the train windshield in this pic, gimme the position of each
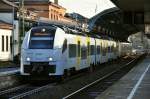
(42, 38)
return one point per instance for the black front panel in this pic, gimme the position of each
(39, 68)
(52, 69)
(27, 68)
(39, 63)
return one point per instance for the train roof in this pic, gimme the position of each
(74, 31)
(71, 29)
(41, 27)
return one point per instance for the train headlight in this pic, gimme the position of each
(28, 59)
(50, 59)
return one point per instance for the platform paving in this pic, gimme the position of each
(134, 85)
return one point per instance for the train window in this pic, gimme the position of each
(2, 43)
(117, 48)
(6, 43)
(52, 16)
(42, 38)
(83, 52)
(72, 50)
(92, 50)
(64, 46)
(112, 48)
(109, 49)
(11, 44)
(79, 47)
(104, 50)
(98, 49)
(101, 48)
(41, 44)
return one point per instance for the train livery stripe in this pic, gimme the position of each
(78, 50)
(88, 51)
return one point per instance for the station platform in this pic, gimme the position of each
(134, 85)
(9, 71)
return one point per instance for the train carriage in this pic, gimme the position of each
(51, 50)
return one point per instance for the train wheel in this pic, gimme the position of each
(24, 79)
(72, 71)
(65, 73)
(60, 78)
(91, 68)
(68, 73)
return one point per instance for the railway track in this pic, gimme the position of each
(95, 88)
(23, 91)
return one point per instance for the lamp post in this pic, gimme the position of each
(23, 18)
(13, 32)
(21, 22)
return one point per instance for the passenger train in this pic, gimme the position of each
(53, 50)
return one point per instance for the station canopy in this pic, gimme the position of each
(128, 17)
(110, 23)
(136, 12)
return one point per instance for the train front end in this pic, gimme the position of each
(41, 52)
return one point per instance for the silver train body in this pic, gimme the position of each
(51, 50)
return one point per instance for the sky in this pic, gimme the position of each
(87, 8)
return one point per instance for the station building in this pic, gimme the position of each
(48, 9)
(5, 41)
(9, 32)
